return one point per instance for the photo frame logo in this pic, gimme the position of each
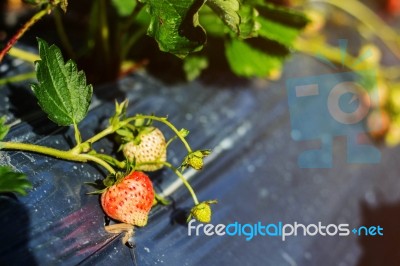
(326, 106)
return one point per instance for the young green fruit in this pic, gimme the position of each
(130, 199)
(149, 147)
(202, 211)
(195, 159)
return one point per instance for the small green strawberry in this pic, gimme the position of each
(195, 159)
(202, 211)
(149, 146)
(129, 199)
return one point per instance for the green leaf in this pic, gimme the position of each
(194, 65)
(249, 26)
(212, 24)
(272, 31)
(287, 16)
(124, 7)
(62, 91)
(98, 185)
(11, 181)
(184, 132)
(63, 5)
(3, 128)
(250, 61)
(124, 132)
(227, 10)
(280, 24)
(175, 25)
(277, 32)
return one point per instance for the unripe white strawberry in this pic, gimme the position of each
(149, 147)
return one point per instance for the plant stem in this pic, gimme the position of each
(133, 16)
(24, 28)
(185, 182)
(111, 160)
(104, 31)
(369, 19)
(123, 36)
(109, 130)
(78, 137)
(181, 177)
(99, 161)
(131, 41)
(63, 35)
(24, 55)
(65, 155)
(18, 78)
(315, 49)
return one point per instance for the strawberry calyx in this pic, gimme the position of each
(158, 199)
(120, 114)
(132, 133)
(103, 185)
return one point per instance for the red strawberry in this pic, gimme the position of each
(149, 146)
(130, 199)
(393, 7)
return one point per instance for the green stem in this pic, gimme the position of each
(132, 17)
(185, 182)
(63, 35)
(111, 160)
(315, 48)
(65, 155)
(131, 127)
(171, 140)
(98, 161)
(131, 41)
(181, 177)
(24, 28)
(123, 28)
(23, 55)
(102, 134)
(369, 19)
(109, 130)
(78, 137)
(104, 31)
(18, 78)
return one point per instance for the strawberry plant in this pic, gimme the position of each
(256, 35)
(127, 193)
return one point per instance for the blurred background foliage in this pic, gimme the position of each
(247, 39)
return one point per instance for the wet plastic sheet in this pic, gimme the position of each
(253, 172)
